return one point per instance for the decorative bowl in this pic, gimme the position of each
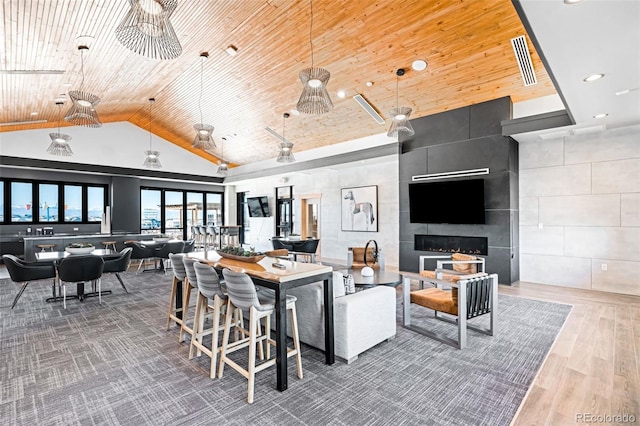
(86, 249)
(249, 259)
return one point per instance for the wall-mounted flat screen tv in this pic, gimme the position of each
(258, 206)
(457, 202)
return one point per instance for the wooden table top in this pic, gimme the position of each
(264, 269)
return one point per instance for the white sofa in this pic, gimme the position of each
(361, 320)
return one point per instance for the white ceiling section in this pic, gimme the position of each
(584, 38)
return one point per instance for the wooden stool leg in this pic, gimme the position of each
(174, 283)
(253, 327)
(296, 339)
(185, 308)
(225, 338)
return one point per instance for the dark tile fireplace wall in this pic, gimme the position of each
(463, 139)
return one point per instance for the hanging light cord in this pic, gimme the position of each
(59, 119)
(201, 84)
(397, 91)
(311, 32)
(82, 67)
(150, 103)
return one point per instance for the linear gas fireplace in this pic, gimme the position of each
(451, 244)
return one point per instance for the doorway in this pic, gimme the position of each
(310, 223)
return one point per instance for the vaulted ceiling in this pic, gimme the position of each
(466, 44)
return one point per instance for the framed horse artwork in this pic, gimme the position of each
(360, 209)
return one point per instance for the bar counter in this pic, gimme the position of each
(62, 240)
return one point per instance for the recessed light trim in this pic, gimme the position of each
(419, 65)
(231, 50)
(369, 83)
(572, 1)
(295, 112)
(601, 115)
(341, 94)
(593, 77)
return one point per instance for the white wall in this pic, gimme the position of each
(580, 211)
(328, 183)
(114, 144)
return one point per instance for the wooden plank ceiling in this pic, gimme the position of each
(466, 43)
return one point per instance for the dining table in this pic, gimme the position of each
(56, 256)
(295, 274)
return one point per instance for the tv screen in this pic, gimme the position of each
(457, 202)
(258, 206)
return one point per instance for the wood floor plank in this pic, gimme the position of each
(594, 364)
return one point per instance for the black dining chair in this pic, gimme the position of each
(189, 246)
(141, 252)
(80, 269)
(25, 272)
(163, 251)
(119, 265)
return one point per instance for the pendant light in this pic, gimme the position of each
(400, 126)
(83, 108)
(223, 166)
(151, 161)
(286, 148)
(146, 29)
(314, 98)
(60, 142)
(204, 132)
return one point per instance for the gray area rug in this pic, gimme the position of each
(116, 364)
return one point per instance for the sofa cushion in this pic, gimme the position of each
(338, 285)
(436, 299)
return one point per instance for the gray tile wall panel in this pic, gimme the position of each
(449, 148)
(485, 117)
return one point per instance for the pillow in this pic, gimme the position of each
(338, 284)
(467, 268)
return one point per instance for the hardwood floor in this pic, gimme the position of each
(593, 367)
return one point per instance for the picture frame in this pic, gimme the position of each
(359, 208)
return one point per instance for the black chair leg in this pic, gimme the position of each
(121, 283)
(26, 283)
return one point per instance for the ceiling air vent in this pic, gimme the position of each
(524, 60)
(367, 107)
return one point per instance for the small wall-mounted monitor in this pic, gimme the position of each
(258, 206)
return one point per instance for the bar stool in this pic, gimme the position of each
(210, 287)
(179, 279)
(45, 247)
(242, 294)
(191, 281)
(109, 245)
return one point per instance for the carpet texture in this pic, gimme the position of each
(116, 364)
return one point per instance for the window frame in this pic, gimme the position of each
(35, 201)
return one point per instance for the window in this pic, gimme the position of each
(72, 203)
(48, 202)
(21, 202)
(95, 203)
(173, 210)
(214, 209)
(150, 203)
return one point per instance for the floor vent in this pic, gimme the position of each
(367, 107)
(524, 60)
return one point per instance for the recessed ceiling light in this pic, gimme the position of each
(593, 77)
(571, 1)
(34, 113)
(85, 40)
(341, 94)
(603, 115)
(295, 112)
(369, 83)
(419, 65)
(231, 50)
